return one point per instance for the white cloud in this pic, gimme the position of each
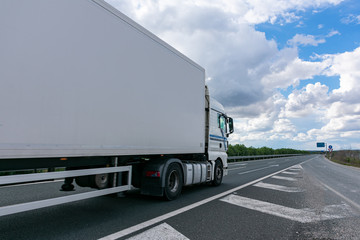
(287, 69)
(260, 11)
(247, 69)
(314, 97)
(301, 39)
(351, 18)
(340, 110)
(333, 33)
(347, 66)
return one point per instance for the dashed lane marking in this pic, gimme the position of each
(235, 168)
(259, 169)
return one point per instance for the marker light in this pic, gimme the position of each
(153, 174)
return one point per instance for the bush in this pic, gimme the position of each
(242, 150)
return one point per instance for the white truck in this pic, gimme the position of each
(86, 89)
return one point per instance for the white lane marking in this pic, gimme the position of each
(235, 168)
(162, 218)
(284, 178)
(278, 187)
(290, 173)
(354, 204)
(304, 215)
(297, 170)
(235, 164)
(259, 169)
(296, 167)
(161, 232)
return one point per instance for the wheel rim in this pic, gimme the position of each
(218, 173)
(101, 180)
(173, 181)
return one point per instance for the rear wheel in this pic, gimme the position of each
(218, 173)
(99, 181)
(173, 182)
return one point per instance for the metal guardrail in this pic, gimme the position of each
(254, 157)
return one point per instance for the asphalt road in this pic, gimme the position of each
(304, 197)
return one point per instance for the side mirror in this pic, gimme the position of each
(231, 125)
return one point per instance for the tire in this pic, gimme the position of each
(100, 181)
(218, 173)
(173, 182)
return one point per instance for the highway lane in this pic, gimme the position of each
(214, 212)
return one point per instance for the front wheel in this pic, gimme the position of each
(173, 182)
(218, 173)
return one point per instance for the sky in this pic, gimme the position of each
(287, 71)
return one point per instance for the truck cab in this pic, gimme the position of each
(220, 127)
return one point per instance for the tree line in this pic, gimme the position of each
(242, 150)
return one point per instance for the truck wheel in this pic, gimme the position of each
(100, 181)
(173, 182)
(218, 173)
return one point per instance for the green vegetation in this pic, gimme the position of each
(346, 157)
(242, 150)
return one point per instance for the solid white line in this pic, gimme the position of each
(277, 187)
(161, 232)
(259, 169)
(161, 218)
(342, 196)
(305, 215)
(284, 178)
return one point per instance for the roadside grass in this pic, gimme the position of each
(345, 157)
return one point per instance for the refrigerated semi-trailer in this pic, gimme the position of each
(86, 89)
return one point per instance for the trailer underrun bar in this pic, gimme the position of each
(22, 207)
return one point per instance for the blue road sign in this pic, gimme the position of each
(330, 147)
(320, 144)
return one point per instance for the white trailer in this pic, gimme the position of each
(85, 88)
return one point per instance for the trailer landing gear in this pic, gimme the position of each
(68, 186)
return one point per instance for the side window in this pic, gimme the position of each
(222, 123)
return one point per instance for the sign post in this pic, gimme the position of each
(330, 148)
(322, 145)
(330, 151)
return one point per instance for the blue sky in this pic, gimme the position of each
(319, 23)
(288, 71)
